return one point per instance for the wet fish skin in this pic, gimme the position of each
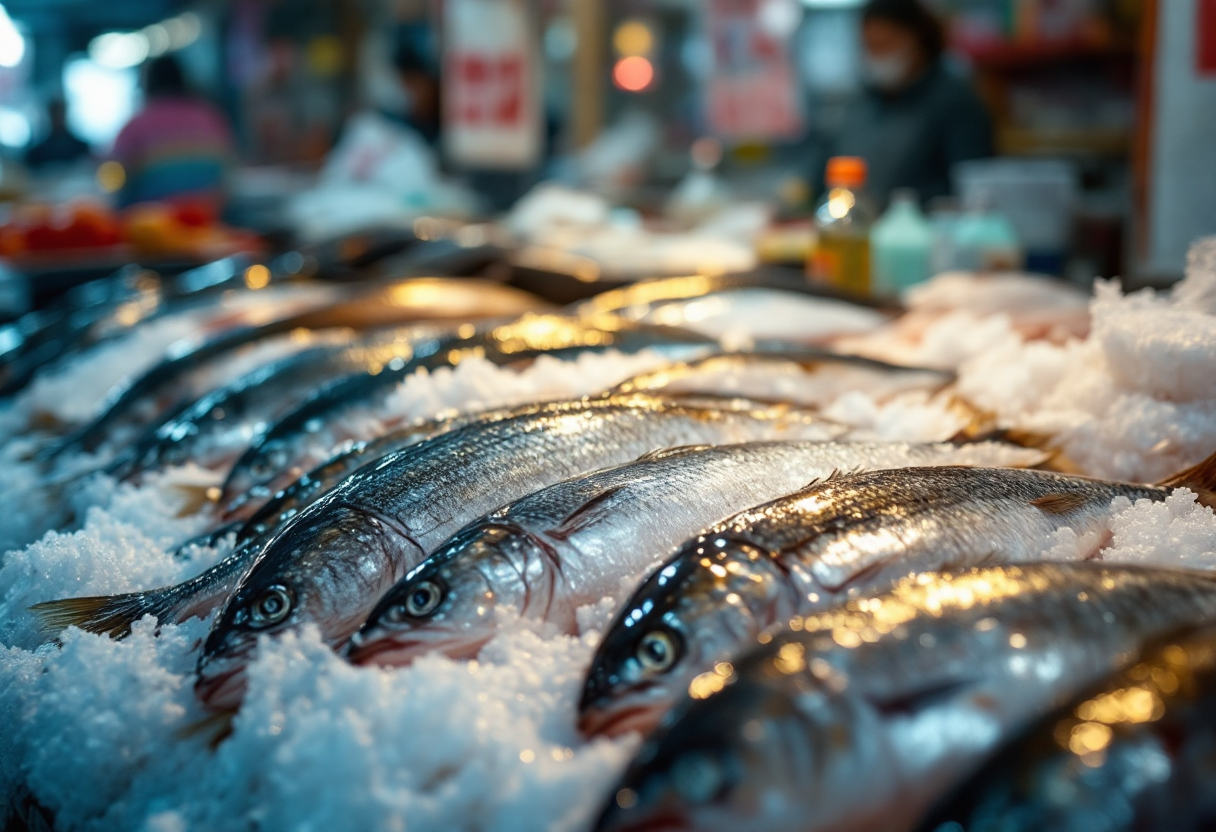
(806, 376)
(1134, 753)
(113, 615)
(273, 457)
(380, 306)
(575, 542)
(817, 547)
(863, 716)
(333, 561)
(259, 395)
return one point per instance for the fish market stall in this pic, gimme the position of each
(715, 552)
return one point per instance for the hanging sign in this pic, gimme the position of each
(1205, 29)
(491, 85)
(753, 91)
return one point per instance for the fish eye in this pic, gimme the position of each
(657, 651)
(423, 600)
(271, 607)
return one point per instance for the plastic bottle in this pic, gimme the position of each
(844, 217)
(901, 246)
(984, 239)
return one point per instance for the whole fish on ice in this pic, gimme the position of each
(575, 542)
(860, 718)
(815, 548)
(330, 563)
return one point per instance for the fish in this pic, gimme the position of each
(198, 596)
(823, 545)
(1132, 753)
(743, 307)
(862, 717)
(573, 543)
(330, 563)
(285, 448)
(812, 378)
(193, 362)
(206, 431)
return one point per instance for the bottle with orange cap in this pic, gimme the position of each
(844, 217)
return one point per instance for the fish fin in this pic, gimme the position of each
(837, 474)
(110, 615)
(666, 453)
(215, 727)
(1199, 478)
(1059, 503)
(584, 515)
(195, 497)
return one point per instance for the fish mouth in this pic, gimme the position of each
(615, 722)
(222, 691)
(388, 651)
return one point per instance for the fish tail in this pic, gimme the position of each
(1199, 478)
(110, 615)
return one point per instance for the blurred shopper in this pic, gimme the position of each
(916, 116)
(178, 146)
(61, 146)
(420, 83)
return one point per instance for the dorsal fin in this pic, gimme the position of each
(584, 515)
(837, 474)
(675, 450)
(1059, 503)
(1199, 478)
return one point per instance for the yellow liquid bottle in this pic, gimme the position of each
(844, 217)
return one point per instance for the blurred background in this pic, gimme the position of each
(1073, 138)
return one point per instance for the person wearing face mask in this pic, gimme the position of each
(916, 117)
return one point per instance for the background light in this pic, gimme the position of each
(119, 50)
(14, 128)
(12, 44)
(100, 99)
(633, 74)
(633, 37)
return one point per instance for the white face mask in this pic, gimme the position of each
(888, 72)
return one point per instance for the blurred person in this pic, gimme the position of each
(61, 145)
(916, 117)
(177, 146)
(420, 83)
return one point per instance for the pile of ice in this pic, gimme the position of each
(97, 732)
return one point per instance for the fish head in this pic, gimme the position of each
(454, 600)
(714, 596)
(732, 761)
(325, 568)
(256, 473)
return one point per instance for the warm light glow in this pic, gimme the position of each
(257, 276)
(111, 176)
(633, 74)
(633, 37)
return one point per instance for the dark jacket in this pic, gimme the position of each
(912, 138)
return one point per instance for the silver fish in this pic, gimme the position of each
(861, 717)
(577, 541)
(820, 546)
(333, 561)
(290, 445)
(113, 615)
(209, 430)
(814, 378)
(1134, 753)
